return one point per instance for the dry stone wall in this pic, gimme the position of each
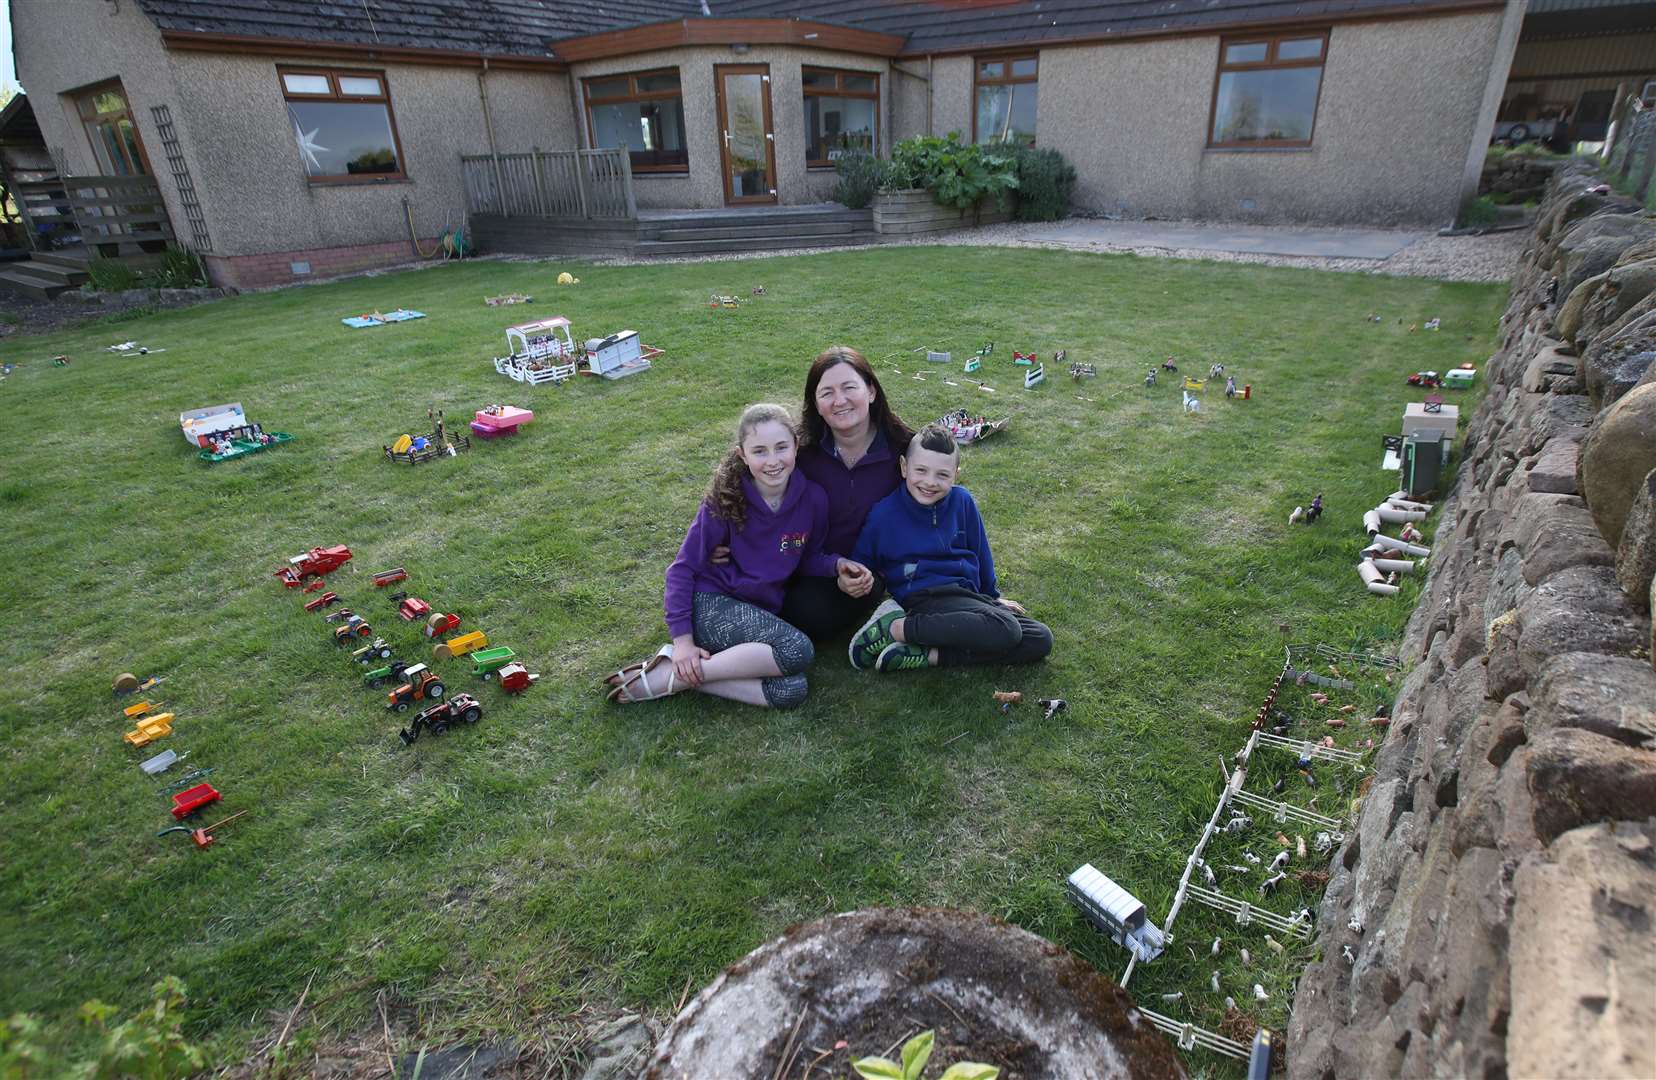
(1499, 890)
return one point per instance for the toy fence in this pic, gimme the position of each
(1246, 913)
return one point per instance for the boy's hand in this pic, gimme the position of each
(1011, 605)
(855, 579)
(720, 555)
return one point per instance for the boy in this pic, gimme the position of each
(926, 542)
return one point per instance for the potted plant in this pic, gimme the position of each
(932, 182)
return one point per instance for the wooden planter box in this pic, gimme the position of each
(901, 213)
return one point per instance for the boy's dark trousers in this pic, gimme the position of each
(967, 627)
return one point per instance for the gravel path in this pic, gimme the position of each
(1490, 257)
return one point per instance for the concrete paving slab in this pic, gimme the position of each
(1244, 239)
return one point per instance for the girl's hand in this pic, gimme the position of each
(855, 579)
(687, 660)
(720, 555)
(1012, 605)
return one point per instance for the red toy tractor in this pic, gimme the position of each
(463, 709)
(422, 685)
(313, 563)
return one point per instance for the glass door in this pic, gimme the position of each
(108, 120)
(747, 144)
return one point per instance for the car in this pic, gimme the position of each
(461, 709)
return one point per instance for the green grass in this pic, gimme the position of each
(565, 852)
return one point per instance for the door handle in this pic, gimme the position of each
(727, 139)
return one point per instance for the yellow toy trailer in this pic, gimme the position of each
(133, 712)
(150, 728)
(460, 646)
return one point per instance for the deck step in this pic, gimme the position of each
(754, 232)
(756, 245)
(68, 276)
(19, 279)
(72, 260)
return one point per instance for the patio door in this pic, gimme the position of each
(747, 144)
(108, 121)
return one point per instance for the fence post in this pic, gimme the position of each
(540, 181)
(625, 164)
(581, 183)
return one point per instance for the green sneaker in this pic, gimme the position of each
(875, 635)
(900, 657)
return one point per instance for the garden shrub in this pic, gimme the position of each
(112, 275)
(859, 177)
(179, 269)
(1479, 213)
(957, 174)
(1045, 183)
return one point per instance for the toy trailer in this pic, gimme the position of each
(389, 577)
(192, 800)
(1115, 911)
(313, 563)
(460, 646)
(439, 624)
(616, 356)
(489, 661)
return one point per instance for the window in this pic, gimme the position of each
(342, 124)
(842, 111)
(1266, 90)
(108, 121)
(1006, 92)
(642, 112)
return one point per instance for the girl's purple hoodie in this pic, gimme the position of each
(764, 553)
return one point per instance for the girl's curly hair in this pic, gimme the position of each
(725, 496)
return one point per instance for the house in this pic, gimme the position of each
(293, 138)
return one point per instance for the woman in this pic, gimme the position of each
(850, 441)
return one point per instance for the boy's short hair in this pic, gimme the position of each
(933, 437)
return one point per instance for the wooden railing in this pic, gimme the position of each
(551, 184)
(124, 211)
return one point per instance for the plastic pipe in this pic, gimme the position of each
(1401, 498)
(1371, 522)
(1401, 566)
(1414, 550)
(1393, 516)
(1374, 579)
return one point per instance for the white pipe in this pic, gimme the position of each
(1401, 566)
(1371, 522)
(1405, 504)
(1398, 517)
(1374, 579)
(1415, 550)
(1402, 498)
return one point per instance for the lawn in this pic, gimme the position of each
(566, 853)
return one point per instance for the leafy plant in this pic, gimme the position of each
(957, 174)
(916, 1053)
(21, 1052)
(1479, 213)
(859, 178)
(1045, 183)
(151, 1043)
(112, 275)
(179, 269)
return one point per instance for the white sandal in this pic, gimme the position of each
(639, 675)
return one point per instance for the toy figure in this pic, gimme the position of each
(1315, 510)
(1230, 385)
(1216, 370)
(1150, 379)
(1169, 365)
(1192, 403)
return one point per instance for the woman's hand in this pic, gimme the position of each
(720, 555)
(854, 578)
(1011, 605)
(687, 660)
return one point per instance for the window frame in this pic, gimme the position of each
(837, 91)
(335, 94)
(636, 95)
(90, 124)
(1272, 42)
(1006, 79)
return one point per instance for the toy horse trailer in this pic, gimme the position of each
(616, 356)
(1116, 912)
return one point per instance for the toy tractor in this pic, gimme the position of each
(462, 709)
(378, 649)
(313, 563)
(422, 685)
(396, 670)
(354, 627)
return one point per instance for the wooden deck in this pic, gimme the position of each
(677, 232)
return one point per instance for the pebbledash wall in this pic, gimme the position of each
(1401, 102)
(1499, 891)
(702, 187)
(262, 213)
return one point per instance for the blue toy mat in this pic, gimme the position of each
(357, 322)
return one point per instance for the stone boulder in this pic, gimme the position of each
(1622, 289)
(1554, 469)
(1554, 371)
(1613, 696)
(1621, 355)
(1568, 321)
(1594, 245)
(1636, 554)
(1619, 451)
(1581, 964)
(1578, 778)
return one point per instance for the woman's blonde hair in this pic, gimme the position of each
(724, 492)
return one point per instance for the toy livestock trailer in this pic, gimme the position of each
(1115, 911)
(617, 356)
(538, 352)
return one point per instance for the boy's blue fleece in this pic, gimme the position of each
(913, 547)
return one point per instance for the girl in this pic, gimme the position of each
(727, 637)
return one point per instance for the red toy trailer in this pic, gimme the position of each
(413, 608)
(193, 799)
(515, 678)
(322, 601)
(438, 624)
(313, 563)
(389, 577)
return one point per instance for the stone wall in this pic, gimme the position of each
(1499, 890)
(1517, 178)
